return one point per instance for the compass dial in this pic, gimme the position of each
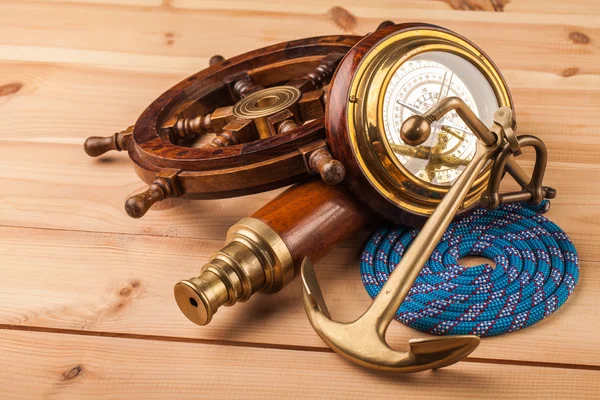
(416, 86)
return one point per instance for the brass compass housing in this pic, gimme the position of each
(267, 102)
(360, 102)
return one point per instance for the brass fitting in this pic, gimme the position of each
(255, 258)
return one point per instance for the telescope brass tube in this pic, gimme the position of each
(265, 251)
(254, 258)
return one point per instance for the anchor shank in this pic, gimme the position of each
(394, 291)
(448, 104)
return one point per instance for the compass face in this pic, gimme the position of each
(416, 86)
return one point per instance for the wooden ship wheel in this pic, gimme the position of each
(265, 112)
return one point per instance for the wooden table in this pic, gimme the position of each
(86, 304)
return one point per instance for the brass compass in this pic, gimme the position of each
(405, 74)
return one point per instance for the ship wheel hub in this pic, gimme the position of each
(267, 102)
(261, 106)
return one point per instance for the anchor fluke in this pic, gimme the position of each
(363, 341)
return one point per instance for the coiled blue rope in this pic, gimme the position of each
(536, 270)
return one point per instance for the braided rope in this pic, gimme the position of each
(536, 270)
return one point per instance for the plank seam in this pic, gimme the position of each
(340, 246)
(41, 329)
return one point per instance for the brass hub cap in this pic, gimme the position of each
(266, 102)
(377, 153)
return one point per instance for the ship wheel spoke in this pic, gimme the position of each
(260, 113)
(238, 131)
(312, 105)
(320, 76)
(242, 85)
(190, 129)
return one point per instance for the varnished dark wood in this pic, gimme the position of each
(331, 170)
(324, 70)
(191, 127)
(286, 126)
(200, 89)
(234, 163)
(235, 132)
(313, 217)
(385, 24)
(215, 60)
(311, 105)
(241, 85)
(95, 146)
(165, 185)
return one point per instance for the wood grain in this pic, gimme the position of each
(85, 194)
(39, 99)
(558, 43)
(315, 6)
(104, 282)
(41, 365)
(99, 284)
(313, 218)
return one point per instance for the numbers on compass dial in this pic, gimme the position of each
(416, 86)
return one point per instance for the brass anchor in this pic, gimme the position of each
(363, 340)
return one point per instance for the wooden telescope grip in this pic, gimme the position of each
(313, 218)
(264, 251)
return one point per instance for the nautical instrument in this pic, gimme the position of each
(416, 126)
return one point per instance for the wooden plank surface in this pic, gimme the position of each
(104, 282)
(95, 286)
(42, 365)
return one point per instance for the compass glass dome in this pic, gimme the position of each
(416, 86)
